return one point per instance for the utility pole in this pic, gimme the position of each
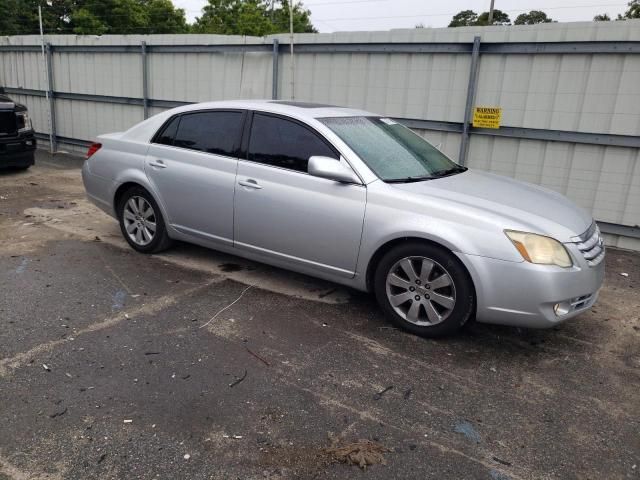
(491, 13)
(44, 70)
(293, 68)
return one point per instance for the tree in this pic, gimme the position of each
(499, 18)
(469, 18)
(91, 17)
(252, 17)
(603, 17)
(633, 12)
(532, 18)
(86, 23)
(465, 18)
(163, 17)
(301, 18)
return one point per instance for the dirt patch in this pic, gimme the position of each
(299, 461)
(361, 453)
(312, 460)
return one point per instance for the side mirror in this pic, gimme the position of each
(332, 169)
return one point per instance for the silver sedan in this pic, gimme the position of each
(355, 198)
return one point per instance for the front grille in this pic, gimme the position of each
(591, 245)
(8, 123)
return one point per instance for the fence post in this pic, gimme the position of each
(145, 77)
(471, 94)
(53, 147)
(274, 81)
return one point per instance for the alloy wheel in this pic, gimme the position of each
(139, 220)
(420, 290)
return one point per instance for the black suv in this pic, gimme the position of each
(17, 141)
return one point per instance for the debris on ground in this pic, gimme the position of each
(58, 413)
(259, 357)
(499, 460)
(624, 274)
(361, 453)
(127, 421)
(379, 395)
(187, 456)
(46, 367)
(238, 380)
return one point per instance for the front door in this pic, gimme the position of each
(283, 212)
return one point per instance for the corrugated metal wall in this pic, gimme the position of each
(596, 93)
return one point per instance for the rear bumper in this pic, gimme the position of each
(97, 189)
(18, 151)
(524, 295)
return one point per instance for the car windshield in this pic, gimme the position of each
(391, 150)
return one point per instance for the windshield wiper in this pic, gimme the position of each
(450, 171)
(410, 179)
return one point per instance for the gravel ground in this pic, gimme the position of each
(115, 365)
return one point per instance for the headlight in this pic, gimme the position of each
(24, 122)
(540, 249)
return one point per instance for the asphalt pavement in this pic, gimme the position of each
(198, 365)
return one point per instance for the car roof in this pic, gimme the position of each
(303, 111)
(286, 107)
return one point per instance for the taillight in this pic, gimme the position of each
(93, 149)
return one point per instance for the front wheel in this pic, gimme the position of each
(141, 222)
(424, 289)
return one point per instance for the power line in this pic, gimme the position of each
(420, 15)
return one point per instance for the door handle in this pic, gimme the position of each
(250, 183)
(157, 164)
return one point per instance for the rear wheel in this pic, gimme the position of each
(424, 289)
(141, 222)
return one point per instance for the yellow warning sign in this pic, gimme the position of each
(487, 117)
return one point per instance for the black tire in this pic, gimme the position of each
(160, 240)
(464, 293)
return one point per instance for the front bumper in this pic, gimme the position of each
(523, 294)
(18, 151)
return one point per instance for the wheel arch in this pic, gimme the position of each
(120, 191)
(126, 184)
(390, 244)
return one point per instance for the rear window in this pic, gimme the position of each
(168, 133)
(215, 132)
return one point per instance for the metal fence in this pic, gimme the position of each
(569, 93)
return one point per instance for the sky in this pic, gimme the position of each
(349, 15)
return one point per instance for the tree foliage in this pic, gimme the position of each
(469, 18)
(252, 17)
(91, 17)
(99, 17)
(465, 18)
(532, 18)
(633, 12)
(603, 17)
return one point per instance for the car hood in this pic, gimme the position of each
(515, 204)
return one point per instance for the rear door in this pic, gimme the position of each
(192, 164)
(286, 214)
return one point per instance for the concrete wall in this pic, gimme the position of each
(593, 93)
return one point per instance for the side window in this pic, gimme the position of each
(210, 132)
(283, 143)
(168, 134)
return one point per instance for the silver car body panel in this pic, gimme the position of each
(333, 230)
